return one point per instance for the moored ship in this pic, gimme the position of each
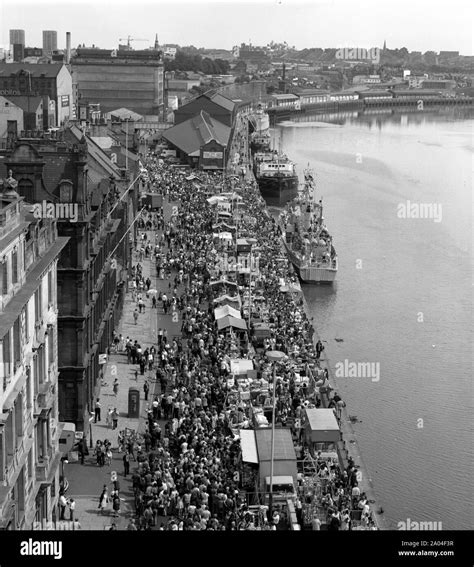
(306, 237)
(276, 177)
(260, 139)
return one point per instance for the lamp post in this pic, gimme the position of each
(62, 481)
(273, 356)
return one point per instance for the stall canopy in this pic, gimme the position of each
(228, 299)
(226, 322)
(222, 235)
(248, 445)
(284, 448)
(225, 311)
(240, 366)
(223, 282)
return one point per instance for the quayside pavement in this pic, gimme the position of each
(86, 481)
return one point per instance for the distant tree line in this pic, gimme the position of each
(195, 62)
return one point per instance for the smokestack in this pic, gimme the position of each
(68, 47)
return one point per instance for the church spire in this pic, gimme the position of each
(384, 44)
(157, 45)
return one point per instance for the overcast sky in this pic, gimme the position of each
(419, 25)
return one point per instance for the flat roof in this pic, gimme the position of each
(322, 419)
(284, 448)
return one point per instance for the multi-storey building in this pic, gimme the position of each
(40, 79)
(17, 37)
(71, 169)
(29, 429)
(50, 41)
(120, 78)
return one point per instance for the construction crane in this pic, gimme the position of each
(129, 39)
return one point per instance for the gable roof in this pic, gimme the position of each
(26, 103)
(220, 99)
(193, 133)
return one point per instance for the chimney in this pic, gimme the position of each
(68, 48)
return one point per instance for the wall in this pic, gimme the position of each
(64, 89)
(9, 111)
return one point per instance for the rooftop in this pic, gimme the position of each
(36, 69)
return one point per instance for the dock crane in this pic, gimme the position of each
(129, 39)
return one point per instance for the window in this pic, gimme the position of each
(50, 346)
(26, 189)
(16, 342)
(26, 323)
(50, 287)
(38, 303)
(7, 366)
(5, 277)
(15, 266)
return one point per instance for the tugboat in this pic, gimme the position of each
(306, 238)
(276, 177)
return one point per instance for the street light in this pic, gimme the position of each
(62, 481)
(273, 356)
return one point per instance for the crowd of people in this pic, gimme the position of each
(185, 474)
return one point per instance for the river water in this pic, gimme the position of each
(403, 297)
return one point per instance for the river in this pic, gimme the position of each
(403, 297)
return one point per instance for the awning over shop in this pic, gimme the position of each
(248, 445)
(225, 311)
(226, 322)
(240, 366)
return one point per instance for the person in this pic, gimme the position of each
(72, 507)
(116, 387)
(131, 525)
(114, 418)
(126, 464)
(108, 419)
(116, 504)
(316, 524)
(146, 389)
(62, 506)
(135, 316)
(97, 411)
(103, 499)
(108, 456)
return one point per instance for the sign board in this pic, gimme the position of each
(102, 359)
(212, 155)
(65, 100)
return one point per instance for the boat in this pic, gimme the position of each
(260, 139)
(306, 237)
(276, 177)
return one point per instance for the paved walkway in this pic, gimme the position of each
(86, 481)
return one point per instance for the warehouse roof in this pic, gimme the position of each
(191, 134)
(36, 69)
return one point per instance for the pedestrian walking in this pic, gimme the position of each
(97, 411)
(115, 419)
(146, 389)
(116, 387)
(62, 506)
(135, 316)
(126, 464)
(103, 500)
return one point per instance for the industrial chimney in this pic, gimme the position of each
(68, 48)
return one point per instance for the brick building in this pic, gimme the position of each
(40, 79)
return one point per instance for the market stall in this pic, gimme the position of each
(321, 430)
